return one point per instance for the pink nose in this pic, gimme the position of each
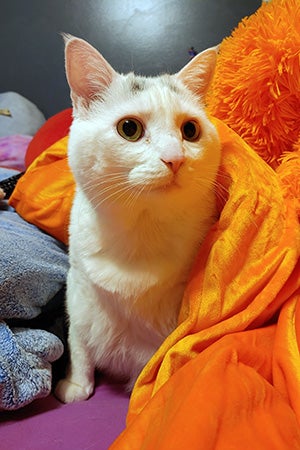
(172, 156)
(174, 164)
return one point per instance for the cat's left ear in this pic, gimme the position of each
(198, 73)
(88, 73)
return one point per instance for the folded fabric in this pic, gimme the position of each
(25, 365)
(34, 267)
(229, 375)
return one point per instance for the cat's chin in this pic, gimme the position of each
(166, 188)
(170, 187)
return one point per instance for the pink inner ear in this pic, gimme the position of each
(197, 74)
(88, 73)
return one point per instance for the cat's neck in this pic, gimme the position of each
(150, 232)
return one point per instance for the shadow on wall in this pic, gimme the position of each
(148, 36)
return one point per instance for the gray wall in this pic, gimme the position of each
(148, 36)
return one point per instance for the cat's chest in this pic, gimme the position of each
(149, 291)
(130, 262)
(130, 279)
(139, 298)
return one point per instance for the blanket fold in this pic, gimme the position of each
(229, 375)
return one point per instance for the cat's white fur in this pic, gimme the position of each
(140, 211)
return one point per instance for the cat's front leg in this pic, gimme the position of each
(79, 382)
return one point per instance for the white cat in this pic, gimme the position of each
(145, 158)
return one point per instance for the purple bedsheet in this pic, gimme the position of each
(46, 424)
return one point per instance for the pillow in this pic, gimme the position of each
(24, 117)
(53, 130)
(256, 88)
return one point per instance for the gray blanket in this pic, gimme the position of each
(33, 268)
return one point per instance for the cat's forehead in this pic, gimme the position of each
(137, 84)
(164, 96)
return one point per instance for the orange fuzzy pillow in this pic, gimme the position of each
(256, 88)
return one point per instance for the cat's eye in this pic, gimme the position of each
(191, 130)
(130, 129)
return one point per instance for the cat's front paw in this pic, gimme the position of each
(68, 392)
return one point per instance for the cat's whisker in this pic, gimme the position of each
(103, 181)
(104, 184)
(115, 195)
(132, 199)
(113, 187)
(210, 181)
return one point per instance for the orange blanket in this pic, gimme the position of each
(229, 376)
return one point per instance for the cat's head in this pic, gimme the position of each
(137, 139)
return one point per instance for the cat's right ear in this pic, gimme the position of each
(88, 72)
(198, 73)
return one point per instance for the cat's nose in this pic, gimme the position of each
(173, 160)
(174, 165)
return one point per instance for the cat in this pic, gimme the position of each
(145, 158)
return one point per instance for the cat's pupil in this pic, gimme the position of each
(189, 129)
(129, 128)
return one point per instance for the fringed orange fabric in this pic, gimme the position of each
(229, 375)
(256, 88)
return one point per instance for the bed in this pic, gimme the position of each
(228, 377)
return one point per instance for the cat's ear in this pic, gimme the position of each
(88, 73)
(198, 73)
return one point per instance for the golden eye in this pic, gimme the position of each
(191, 130)
(130, 129)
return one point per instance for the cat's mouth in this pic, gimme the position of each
(157, 184)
